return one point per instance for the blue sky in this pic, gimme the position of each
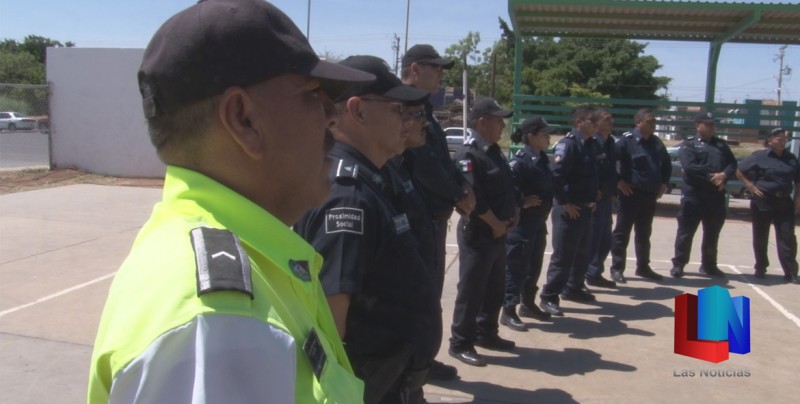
(347, 27)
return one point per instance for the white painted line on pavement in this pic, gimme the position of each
(55, 295)
(767, 297)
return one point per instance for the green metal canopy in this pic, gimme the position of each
(716, 23)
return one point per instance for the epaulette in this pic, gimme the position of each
(569, 136)
(627, 134)
(520, 153)
(346, 171)
(469, 141)
(222, 262)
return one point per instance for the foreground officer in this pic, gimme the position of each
(707, 163)
(771, 176)
(380, 290)
(525, 243)
(481, 236)
(575, 185)
(218, 302)
(645, 169)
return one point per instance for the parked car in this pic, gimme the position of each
(455, 137)
(16, 120)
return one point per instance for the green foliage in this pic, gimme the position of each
(23, 62)
(20, 68)
(595, 67)
(13, 104)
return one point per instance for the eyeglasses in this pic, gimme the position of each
(416, 115)
(400, 106)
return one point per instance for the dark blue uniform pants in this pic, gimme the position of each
(635, 212)
(601, 237)
(482, 264)
(440, 240)
(708, 208)
(524, 255)
(571, 252)
(780, 213)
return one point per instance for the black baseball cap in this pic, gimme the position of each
(775, 132)
(425, 54)
(705, 117)
(217, 44)
(488, 106)
(386, 84)
(533, 125)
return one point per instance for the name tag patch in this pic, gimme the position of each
(315, 353)
(348, 220)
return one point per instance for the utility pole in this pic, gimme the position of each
(396, 49)
(408, 10)
(308, 22)
(782, 71)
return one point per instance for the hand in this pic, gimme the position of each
(466, 204)
(513, 222)
(531, 201)
(756, 191)
(572, 210)
(718, 179)
(661, 190)
(625, 188)
(499, 229)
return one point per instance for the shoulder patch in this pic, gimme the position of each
(465, 166)
(401, 223)
(559, 151)
(346, 169)
(222, 263)
(344, 220)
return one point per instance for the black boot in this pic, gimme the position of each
(510, 319)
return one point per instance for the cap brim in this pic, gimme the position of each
(445, 63)
(502, 113)
(336, 78)
(407, 94)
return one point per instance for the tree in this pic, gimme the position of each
(606, 68)
(23, 62)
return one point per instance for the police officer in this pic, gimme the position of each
(433, 172)
(218, 301)
(771, 175)
(525, 243)
(380, 290)
(601, 219)
(575, 185)
(481, 236)
(645, 169)
(707, 163)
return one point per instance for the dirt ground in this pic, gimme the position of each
(27, 180)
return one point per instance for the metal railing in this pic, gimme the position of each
(746, 122)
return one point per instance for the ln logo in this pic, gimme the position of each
(711, 325)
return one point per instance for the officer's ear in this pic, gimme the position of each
(355, 109)
(236, 112)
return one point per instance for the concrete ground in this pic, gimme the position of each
(59, 248)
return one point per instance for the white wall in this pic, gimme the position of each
(96, 117)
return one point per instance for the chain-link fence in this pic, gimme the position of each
(24, 126)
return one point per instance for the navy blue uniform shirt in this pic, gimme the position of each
(371, 254)
(433, 170)
(772, 173)
(701, 158)
(575, 177)
(607, 165)
(486, 168)
(531, 173)
(643, 163)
